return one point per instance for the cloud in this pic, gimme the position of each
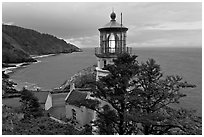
(157, 23)
(157, 37)
(86, 41)
(175, 26)
(168, 33)
(152, 43)
(167, 11)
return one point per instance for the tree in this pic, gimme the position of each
(113, 89)
(104, 122)
(87, 130)
(84, 80)
(140, 99)
(30, 105)
(7, 85)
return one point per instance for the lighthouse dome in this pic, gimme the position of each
(113, 15)
(113, 25)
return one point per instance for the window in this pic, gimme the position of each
(73, 114)
(105, 63)
(112, 43)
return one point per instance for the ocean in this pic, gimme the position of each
(52, 71)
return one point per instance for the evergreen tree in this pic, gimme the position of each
(30, 105)
(140, 97)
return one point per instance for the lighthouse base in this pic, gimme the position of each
(101, 73)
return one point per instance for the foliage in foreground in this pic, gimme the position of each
(42, 126)
(139, 99)
(7, 85)
(31, 119)
(30, 106)
(12, 124)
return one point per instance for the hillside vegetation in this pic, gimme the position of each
(19, 43)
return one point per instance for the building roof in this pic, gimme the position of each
(59, 95)
(42, 96)
(113, 24)
(79, 97)
(76, 96)
(58, 105)
(58, 99)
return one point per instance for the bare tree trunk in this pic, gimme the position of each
(146, 130)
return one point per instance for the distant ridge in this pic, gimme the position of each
(19, 43)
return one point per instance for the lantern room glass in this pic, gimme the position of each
(112, 43)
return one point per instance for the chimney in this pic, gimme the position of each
(72, 85)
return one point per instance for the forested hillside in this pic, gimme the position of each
(19, 43)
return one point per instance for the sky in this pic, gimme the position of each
(153, 24)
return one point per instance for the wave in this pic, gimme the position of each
(8, 70)
(41, 56)
(38, 61)
(27, 85)
(31, 86)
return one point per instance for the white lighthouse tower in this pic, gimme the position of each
(112, 44)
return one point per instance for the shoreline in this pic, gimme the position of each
(8, 70)
(12, 67)
(24, 64)
(42, 56)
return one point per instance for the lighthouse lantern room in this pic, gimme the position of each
(112, 44)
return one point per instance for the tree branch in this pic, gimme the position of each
(167, 128)
(106, 117)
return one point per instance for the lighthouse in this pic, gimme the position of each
(112, 44)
